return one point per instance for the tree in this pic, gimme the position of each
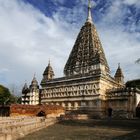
(6, 98)
(4, 95)
(19, 99)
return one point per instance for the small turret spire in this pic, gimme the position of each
(89, 18)
(119, 77)
(48, 73)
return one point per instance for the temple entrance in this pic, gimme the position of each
(109, 110)
(138, 112)
(41, 114)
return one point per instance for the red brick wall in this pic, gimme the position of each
(33, 110)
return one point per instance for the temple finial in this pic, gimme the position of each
(118, 65)
(89, 18)
(49, 62)
(34, 75)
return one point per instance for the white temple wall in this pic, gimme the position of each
(137, 99)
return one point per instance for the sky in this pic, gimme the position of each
(34, 31)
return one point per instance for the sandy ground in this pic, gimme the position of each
(89, 130)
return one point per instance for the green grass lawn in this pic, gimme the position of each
(89, 130)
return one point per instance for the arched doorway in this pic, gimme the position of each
(41, 114)
(138, 110)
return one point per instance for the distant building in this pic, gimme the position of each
(30, 95)
(133, 83)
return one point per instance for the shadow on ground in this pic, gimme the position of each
(132, 126)
(135, 135)
(107, 123)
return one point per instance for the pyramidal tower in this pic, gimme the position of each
(87, 55)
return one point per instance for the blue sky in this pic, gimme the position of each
(130, 9)
(34, 31)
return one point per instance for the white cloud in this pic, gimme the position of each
(121, 47)
(59, 1)
(131, 2)
(85, 2)
(27, 40)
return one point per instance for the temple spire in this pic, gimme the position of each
(87, 56)
(89, 18)
(49, 63)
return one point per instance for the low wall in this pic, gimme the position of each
(14, 128)
(35, 110)
(5, 137)
(74, 117)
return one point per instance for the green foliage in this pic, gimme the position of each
(6, 98)
(133, 83)
(4, 95)
(19, 100)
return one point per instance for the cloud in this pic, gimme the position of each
(121, 47)
(131, 2)
(59, 1)
(27, 40)
(84, 2)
